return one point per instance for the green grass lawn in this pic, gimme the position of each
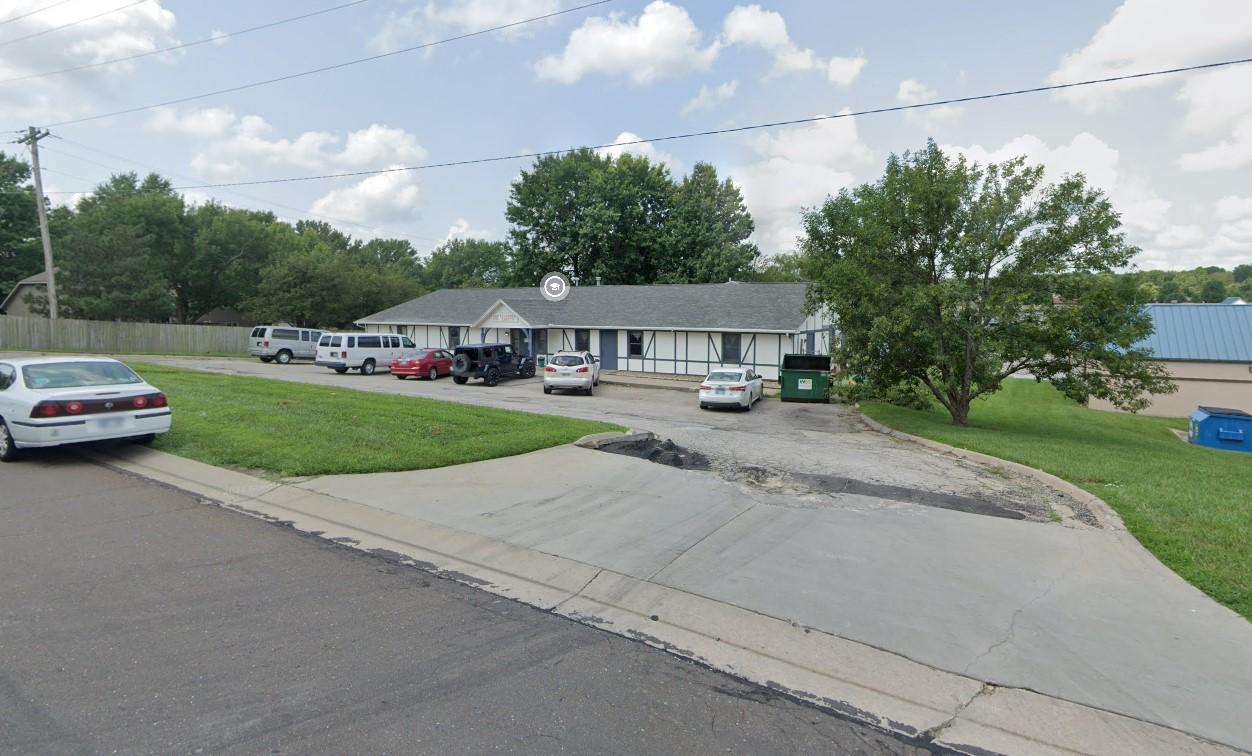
(286, 429)
(1190, 506)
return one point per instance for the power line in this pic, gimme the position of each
(185, 45)
(29, 13)
(72, 23)
(241, 195)
(336, 66)
(731, 130)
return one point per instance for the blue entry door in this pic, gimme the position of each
(608, 350)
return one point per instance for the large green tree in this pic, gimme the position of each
(20, 252)
(708, 230)
(624, 220)
(468, 263)
(956, 276)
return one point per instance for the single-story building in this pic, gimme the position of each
(676, 329)
(1207, 348)
(18, 300)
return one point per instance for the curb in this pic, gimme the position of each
(643, 383)
(597, 440)
(884, 690)
(1104, 514)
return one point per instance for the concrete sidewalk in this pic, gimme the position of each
(978, 633)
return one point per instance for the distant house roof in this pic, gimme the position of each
(39, 279)
(690, 307)
(222, 316)
(1201, 332)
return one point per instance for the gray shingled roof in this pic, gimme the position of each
(692, 307)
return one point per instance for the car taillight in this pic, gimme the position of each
(343, 355)
(705, 387)
(46, 409)
(583, 369)
(74, 408)
(265, 343)
(549, 369)
(157, 400)
(139, 402)
(738, 388)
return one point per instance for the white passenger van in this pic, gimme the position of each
(366, 352)
(283, 343)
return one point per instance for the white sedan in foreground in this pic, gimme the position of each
(731, 387)
(50, 401)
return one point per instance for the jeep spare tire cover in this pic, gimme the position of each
(461, 363)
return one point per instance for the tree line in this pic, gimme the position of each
(134, 249)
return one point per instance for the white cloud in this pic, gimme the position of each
(1180, 236)
(387, 197)
(231, 144)
(707, 98)
(461, 229)
(1218, 101)
(794, 168)
(1232, 207)
(1141, 208)
(1146, 35)
(752, 26)
(912, 92)
(661, 42)
(621, 146)
(138, 29)
(427, 20)
(843, 71)
(219, 37)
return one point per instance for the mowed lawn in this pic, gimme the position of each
(1190, 506)
(286, 429)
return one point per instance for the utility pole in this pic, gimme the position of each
(31, 139)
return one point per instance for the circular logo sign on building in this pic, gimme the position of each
(555, 287)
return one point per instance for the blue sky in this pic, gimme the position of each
(1175, 153)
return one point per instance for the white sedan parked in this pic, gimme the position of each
(50, 401)
(731, 387)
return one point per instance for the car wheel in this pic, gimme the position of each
(460, 380)
(547, 389)
(528, 371)
(341, 371)
(267, 359)
(433, 374)
(703, 406)
(492, 376)
(283, 357)
(591, 390)
(8, 447)
(144, 440)
(367, 367)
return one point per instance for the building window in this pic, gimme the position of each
(541, 341)
(454, 337)
(634, 343)
(731, 352)
(582, 340)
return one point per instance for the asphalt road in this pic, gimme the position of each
(135, 618)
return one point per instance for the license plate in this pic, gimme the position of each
(110, 423)
(566, 372)
(720, 391)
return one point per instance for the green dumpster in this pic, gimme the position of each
(541, 360)
(805, 378)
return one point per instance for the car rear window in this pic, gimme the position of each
(285, 333)
(258, 332)
(725, 376)
(56, 375)
(336, 341)
(325, 341)
(567, 360)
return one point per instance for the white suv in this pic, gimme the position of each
(342, 352)
(571, 370)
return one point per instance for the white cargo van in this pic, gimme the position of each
(283, 343)
(366, 352)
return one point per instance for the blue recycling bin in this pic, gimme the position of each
(1221, 428)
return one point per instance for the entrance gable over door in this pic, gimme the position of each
(500, 315)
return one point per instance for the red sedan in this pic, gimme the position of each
(431, 363)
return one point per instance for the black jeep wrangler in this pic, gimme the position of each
(490, 362)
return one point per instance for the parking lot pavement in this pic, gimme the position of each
(135, 618)
(775, 437)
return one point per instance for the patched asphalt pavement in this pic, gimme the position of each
(135, 618)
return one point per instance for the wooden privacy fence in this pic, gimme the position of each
(104, 337)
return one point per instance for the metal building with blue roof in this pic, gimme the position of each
(1208, 350)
